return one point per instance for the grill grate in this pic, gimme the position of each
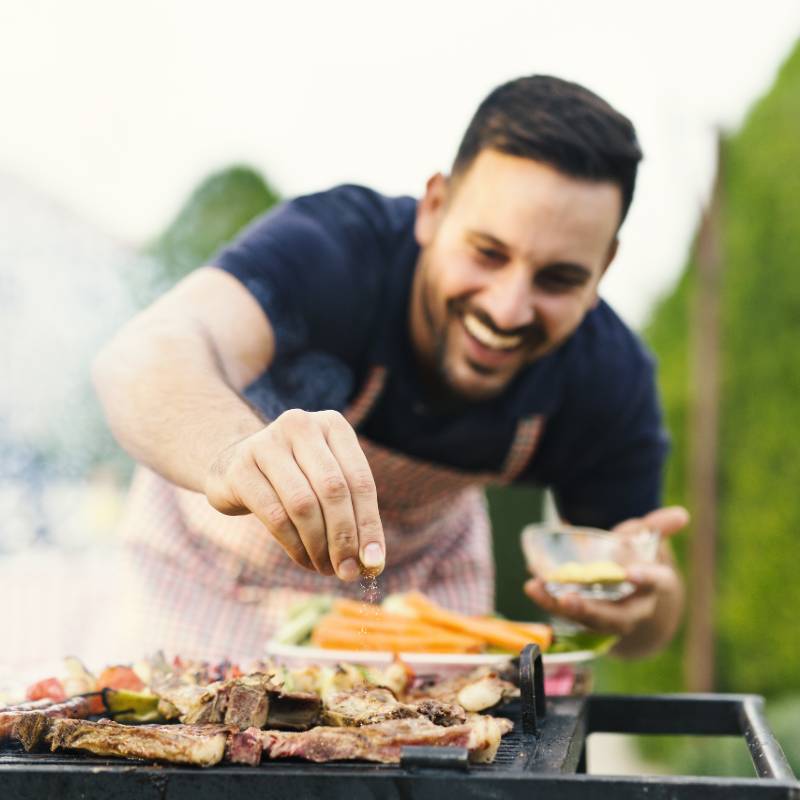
(542, 757)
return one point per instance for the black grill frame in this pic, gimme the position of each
(542, 758)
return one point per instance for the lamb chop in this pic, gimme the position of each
(28, 721)
(383, 741)
(253, 700)
(363, 706)
(478, 690)
(201, 745)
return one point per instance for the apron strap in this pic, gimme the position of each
(526, 440)
(367, 396)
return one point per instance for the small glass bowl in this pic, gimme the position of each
(587, 561)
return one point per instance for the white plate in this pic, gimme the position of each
(292, 655)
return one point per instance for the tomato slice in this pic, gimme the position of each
(47, 689)
(119, 677)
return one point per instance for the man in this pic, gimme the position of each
(334, 392)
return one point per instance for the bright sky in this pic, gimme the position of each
(118, 109)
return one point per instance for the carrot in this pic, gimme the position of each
(404, 627)
(355, 609)
(536, 632)
(487, 628)
(343, 639)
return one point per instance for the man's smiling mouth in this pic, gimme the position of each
(487, 337)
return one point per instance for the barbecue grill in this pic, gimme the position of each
(544, 757)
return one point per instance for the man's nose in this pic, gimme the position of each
(509, 299)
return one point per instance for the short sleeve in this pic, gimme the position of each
(313, 264)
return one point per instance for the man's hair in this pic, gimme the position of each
(558, 123)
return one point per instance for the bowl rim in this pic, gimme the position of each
(550, 529)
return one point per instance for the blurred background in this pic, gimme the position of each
(138, 137)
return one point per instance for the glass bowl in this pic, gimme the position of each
(587, 561)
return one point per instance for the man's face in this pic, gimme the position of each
(511, 255)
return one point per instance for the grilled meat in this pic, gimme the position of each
(381, 742)
(28, 720)
(439, 712)
(201, 745)
(249, 701)
(485, 735)
(244, 747)
(363, 706)
(478, 690)
(293, 711)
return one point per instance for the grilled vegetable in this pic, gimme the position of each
(124, 705)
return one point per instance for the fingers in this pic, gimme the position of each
(307, 479)
(257, 494)
(346, 449)
(601, 616)
(668, 520)
(298, 502)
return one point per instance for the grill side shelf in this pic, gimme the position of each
(694, 714)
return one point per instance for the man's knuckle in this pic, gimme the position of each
(293, 419)
(333, 487)
(302, 504)
(363, 482)
(342, 537)
(276, 516)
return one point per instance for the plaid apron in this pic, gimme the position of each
(207, 585)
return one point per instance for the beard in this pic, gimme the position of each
(444, 392)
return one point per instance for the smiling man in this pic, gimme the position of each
(336, 390)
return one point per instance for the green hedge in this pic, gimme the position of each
(758, 593)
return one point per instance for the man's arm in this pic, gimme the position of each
(170, 384)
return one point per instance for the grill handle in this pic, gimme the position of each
(694, 714)
(531, 688)
(424, 757)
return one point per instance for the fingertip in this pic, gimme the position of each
(349, 570)
(372, 556)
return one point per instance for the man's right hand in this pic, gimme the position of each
(307, 479)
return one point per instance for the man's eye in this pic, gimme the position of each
(557, 281)
(488, 254)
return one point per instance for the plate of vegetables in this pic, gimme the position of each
(327, 630)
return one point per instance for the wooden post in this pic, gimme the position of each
(704, 441)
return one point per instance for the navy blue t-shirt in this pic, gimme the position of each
(333, 273)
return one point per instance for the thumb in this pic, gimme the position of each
(668, 520)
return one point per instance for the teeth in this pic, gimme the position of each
(487, 337)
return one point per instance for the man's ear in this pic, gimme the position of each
(612, 251)
(430, 209)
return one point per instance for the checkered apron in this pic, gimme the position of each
(209, 585)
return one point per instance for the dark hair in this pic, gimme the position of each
(559, 123)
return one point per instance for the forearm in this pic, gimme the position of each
(656, 631)
(168, 400)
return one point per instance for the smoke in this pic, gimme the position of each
(64, 288)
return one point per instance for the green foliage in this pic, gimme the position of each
(511, 508)
(758, 594)
(216, 211)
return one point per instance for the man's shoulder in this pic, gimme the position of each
(350, 205)
(606, 361)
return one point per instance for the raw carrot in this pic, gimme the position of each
(488, 629)
(405, 627)
(536, 632)
(343, 639)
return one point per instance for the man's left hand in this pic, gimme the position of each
(656, 584)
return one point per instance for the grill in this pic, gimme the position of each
(542, 758)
